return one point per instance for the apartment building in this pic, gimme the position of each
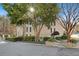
(45, 32)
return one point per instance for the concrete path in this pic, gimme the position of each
(31, 49)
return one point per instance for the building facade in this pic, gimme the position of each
(45, 32)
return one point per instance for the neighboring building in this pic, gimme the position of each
(6, 28)
(4, 25)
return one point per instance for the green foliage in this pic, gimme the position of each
(46, 38)
(14, 39)
(15, 11)
(52, 39)
(29, 38)
(21, 38)
(74, 41)
(18, 38)
(47, 12)
(63, 37)
(11, 39)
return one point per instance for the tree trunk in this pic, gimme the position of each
(37, 34)
(68, 38)
(23, 31)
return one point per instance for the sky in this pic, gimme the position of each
(2, 11)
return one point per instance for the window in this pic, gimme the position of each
(26, 29)
(30, 29)
(51, 30)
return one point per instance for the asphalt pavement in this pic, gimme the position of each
(32, 49)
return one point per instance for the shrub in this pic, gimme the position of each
(58, 38)
(21, 38)
(46, 38)
(29, 38)
(41, 42)
(11, 39)
(18, 38)
(73, 41)
(52, 39)
(14, 39)
(63, 37)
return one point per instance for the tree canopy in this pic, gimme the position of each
(46, 12)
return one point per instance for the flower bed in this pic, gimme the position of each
(63, 44)
(48, 43)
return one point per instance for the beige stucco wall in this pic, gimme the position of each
(19, 31)
(45, 32)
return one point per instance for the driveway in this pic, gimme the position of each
(31, 49)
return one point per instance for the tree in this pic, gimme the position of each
(42, 14)
(16, 11)
(5, 23)
(68, 18)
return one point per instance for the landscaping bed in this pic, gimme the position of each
(30, 39)
(48, 41)
(62, 42)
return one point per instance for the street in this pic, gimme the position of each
(32, 49)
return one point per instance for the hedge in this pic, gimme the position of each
(21, 38)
